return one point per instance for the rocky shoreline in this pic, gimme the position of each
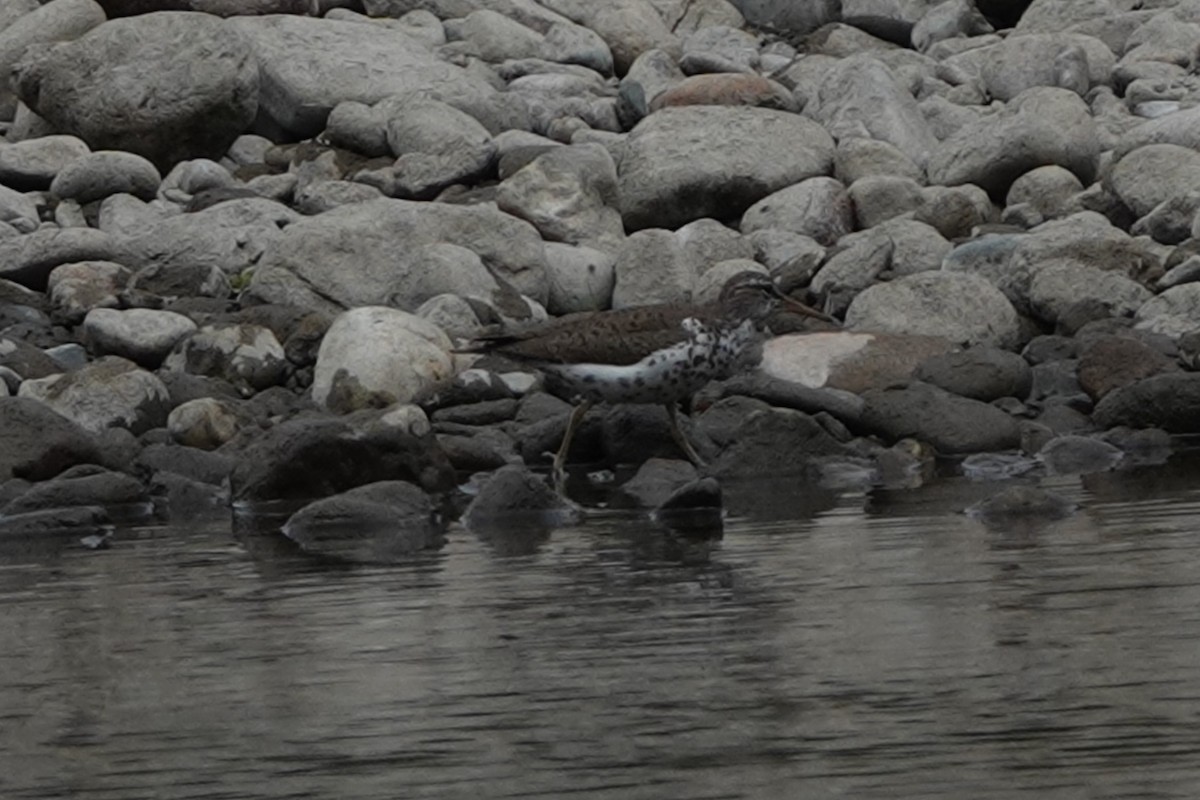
(239, 242)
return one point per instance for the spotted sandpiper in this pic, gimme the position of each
(658, 353)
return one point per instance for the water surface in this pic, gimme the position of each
(856, 645)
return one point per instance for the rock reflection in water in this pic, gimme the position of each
(873, 645)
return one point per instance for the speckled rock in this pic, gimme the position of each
(110, 392)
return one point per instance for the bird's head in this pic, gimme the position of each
(754, 296)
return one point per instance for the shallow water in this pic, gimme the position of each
(858, 645)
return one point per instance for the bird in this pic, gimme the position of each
(661, 353)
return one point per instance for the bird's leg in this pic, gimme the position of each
(559, 471)
(680, 439)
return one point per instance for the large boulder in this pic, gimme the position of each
(56, 21)
(168, 86)
(348, 257)
(308, 66)
(1170, 401)
(1040, 126)
(681, 164)
(963, 308)
(29, 259)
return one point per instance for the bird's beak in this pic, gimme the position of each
(801, 308)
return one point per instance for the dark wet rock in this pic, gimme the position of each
(981, 373)
(515, 493)
(1018, 502)
(1110, 362)
(36, 443)
(317, 457)
(1074, 455)
(1170, 401)
(997, 466)
(775, 442)
(109, 392)
(186, 498)
(183, 386)
(193, 278)
(657, 479)
(1059, 378)
(790, 394)
(481, 450)
(694, 509)
(202, 76)
(26, 360)
(83, 485)
(630, 434)
(721, 420)
(484, 412)
(376, 523)
(1034, 436)
(197, 465)
(1140, 445)
(538, 441)
(76, 521)
(1063, 418)
(950, 423)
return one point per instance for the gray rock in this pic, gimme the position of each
(1171, 221)
(1170, 401)
(580, 278)
(380, 522)
(1056, 287)
(859, 157)
(792, 256)
(916, 247)
(53, 22)
(194, 177)
(30, 258)
(18, 210)
(110, 392)
(194, 279)
(1153, 174)
(205, 423)
(436, 145)
(303, 459)
(76, 521)
(1048, 189)
(877, 198)
(247, 356)
(231, 236)
(321, 196)
(862, 97)
(629, 27)
(80, 486)
(630, 434)
(775, 442)
(24, 360)
(373, 356)
(653, 267)
(949, 20)
(784, 16)
(651, 74)
(197, 465)
(96, 175)
(359, 127)
(77, 288)
(142, 335)
(817, 207)
(1072, 61)
(960, 307)
(719, 48)
(514, 495)
(96, 87)
(570, 195)
(951, 424)
(1173, 313)
(567, 43)
(1180, 128)
(311, 65)
(37, 443)
(681, 164)
(32, 164)
(347, 257)
(980, 373)
(1041, 126)
(493, 37)
(852, 266)
(657, 479)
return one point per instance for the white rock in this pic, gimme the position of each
(142, 335)
(1172, 313)
(375, 356)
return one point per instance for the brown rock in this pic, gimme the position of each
(726, 89)
(1115, 361)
